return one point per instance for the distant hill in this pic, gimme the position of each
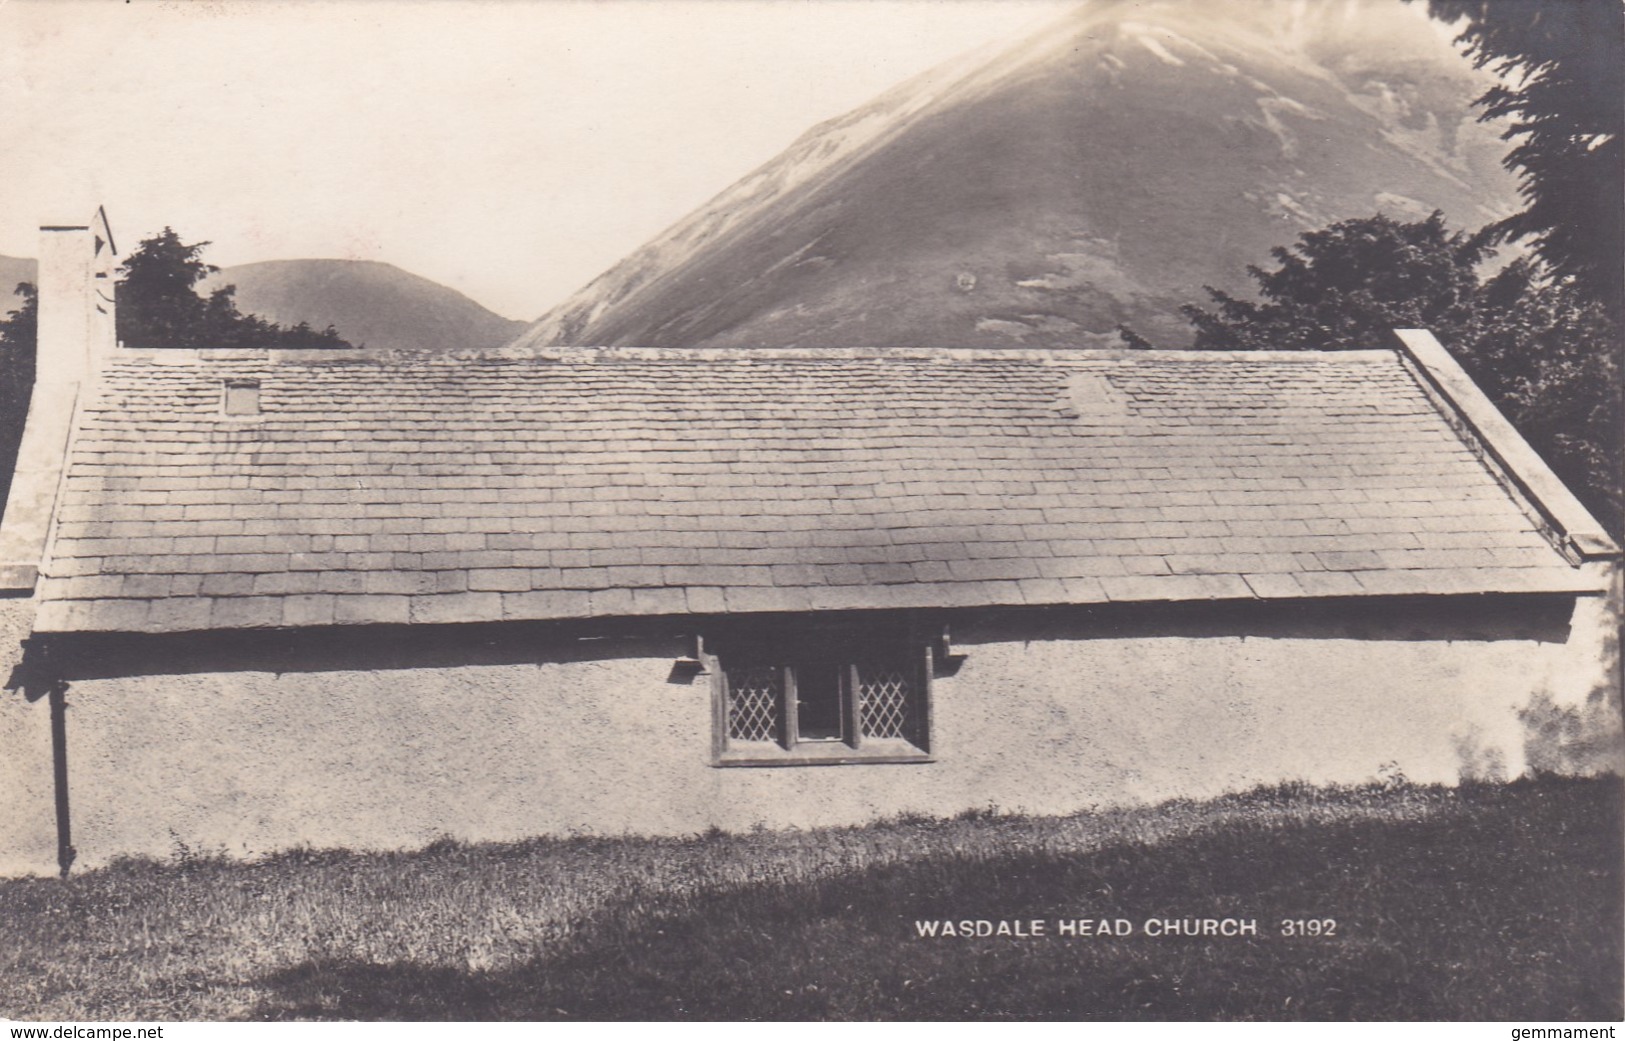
(1099, 172)
(375, 304)
(370, 303)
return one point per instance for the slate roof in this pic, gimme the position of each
(431, 488)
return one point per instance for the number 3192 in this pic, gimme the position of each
(1308, 927)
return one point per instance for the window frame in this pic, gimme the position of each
(795, 646)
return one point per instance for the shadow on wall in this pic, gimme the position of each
(1578, 740)
(85, 656)
(81, 656)
(1477, 762)
(1489, 618)
(1584, 739)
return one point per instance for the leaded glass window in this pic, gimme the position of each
(791, 700)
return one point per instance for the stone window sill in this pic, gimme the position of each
(831, 753)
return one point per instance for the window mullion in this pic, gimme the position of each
(849, 707)
(922, 700)
(792, 719)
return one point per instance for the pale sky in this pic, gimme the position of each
(511, 149)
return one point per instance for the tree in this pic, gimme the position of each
(159, 306)
(17, 335)
(1337, 287)
(1540, 349)
(18, 332)
(1563, 63)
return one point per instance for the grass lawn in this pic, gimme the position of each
(1485, 902)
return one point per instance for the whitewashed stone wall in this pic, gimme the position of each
(1044, 719)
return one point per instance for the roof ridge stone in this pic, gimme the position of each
(765, 355)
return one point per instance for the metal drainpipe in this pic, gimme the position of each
(65, 852)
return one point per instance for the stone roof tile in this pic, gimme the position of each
(450, 488)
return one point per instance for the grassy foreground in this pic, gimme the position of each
(1486, 902)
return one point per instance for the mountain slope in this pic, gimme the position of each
(370, 303)
(1099, 172)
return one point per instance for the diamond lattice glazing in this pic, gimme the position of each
(753, 704)
(883, 701)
